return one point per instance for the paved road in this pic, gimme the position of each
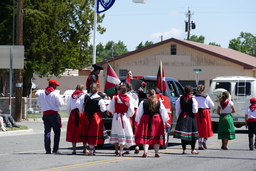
(25, 151)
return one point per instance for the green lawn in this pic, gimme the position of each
(21, 127)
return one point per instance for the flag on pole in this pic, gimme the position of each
(105, 4)
(111, 82)
(161, 83)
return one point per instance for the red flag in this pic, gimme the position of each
(161, 83)
(111, 82)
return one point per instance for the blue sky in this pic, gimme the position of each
(218, 21)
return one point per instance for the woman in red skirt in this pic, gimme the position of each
(151, 117)
(74, 108)
(203, 117)
(93, 108)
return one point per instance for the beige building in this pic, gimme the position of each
(180, 58)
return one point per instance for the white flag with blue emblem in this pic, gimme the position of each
(105, 4)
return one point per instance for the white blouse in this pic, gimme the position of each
(228, 108)
(162, 111)
(204, 103)
(178, 108)
(130, 112)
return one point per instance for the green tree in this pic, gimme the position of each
(6, 24)
(141, 45)
(245, 43)
(195, 38)
(214, 44)
(56, 36)
(110, 50)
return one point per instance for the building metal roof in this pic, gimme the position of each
(247, 61)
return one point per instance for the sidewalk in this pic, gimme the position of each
(34, 126)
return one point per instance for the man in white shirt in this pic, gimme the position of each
(50, 101)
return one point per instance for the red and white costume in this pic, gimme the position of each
(134, 95)
(122, 107)
(203, 117)
(93, 124)
(150, 125)
(75, 111)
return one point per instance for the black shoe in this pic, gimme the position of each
(9, 126)
(48, 153)
(16, 126)
(57, 152)
(204, 145)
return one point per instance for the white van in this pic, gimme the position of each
(241, 89)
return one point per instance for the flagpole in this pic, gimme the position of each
(94, 32)
(161, 76)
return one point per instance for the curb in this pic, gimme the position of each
(18, 132)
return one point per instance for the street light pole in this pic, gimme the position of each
(19, 74)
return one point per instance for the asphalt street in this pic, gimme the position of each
(24, 150)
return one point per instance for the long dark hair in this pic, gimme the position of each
(152, 100)
(188, 90)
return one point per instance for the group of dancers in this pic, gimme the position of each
(147, 118)
(138, 123)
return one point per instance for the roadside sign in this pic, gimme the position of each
(197, 70)
(16, 53)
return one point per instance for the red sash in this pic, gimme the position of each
(251, 120)
(51, 112)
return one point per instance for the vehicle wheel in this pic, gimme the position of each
(166, 142)
(215, 127)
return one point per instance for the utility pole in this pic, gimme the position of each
(19, 74)
(188, 24)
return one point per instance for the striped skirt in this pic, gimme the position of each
(186, 128)
(153, 136)
(121, 130)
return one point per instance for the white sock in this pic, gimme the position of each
(145, 147)
(200, 142)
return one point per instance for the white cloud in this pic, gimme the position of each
(174, 32)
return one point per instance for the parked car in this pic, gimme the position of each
(241, 89)
(174, 91)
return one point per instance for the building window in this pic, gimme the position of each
(122, 72)
(173, 49)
